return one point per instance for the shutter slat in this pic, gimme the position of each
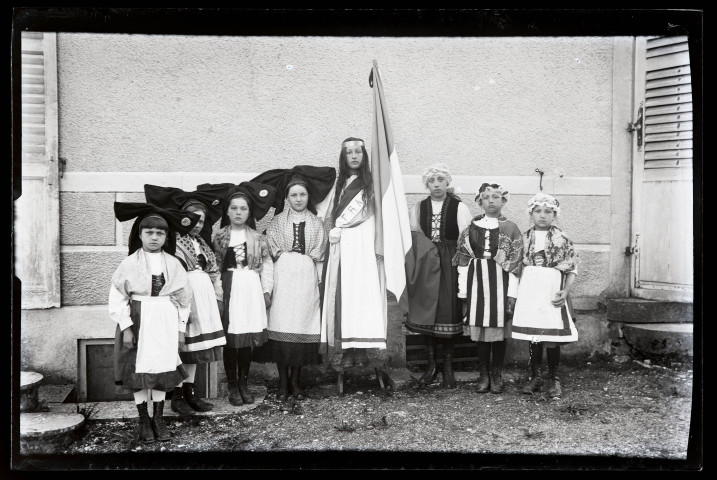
(33, 149)
(34, 99)
(668, 154)
(667, 61)
(33, 89)
(678, 117)
(32, 79)
(668, 127)
(675, 48)
(668, 72)
(33, 129)
(659, 137)
(668, 109)
(661, 92)
(680, 144)
(670, 81)
(662, 41)
(33, 140)
(38, 70)
(32, 59)
(34, 118)
(668, 100)
(687, 162)
(29, 108)
(29, 35)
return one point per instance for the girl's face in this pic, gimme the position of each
(298, 198)
(491, 203)
(437, 184)
(152, 239)
(354, 157)
(542, 217)
(238, 211)
(200, 224)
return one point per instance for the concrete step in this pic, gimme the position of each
(660, 339)
(47, 432)
(637, 310)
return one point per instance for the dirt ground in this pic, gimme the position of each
(611, 416)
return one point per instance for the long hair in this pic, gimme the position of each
(250, 222)
(364, 172)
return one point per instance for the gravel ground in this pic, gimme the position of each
(630, 415)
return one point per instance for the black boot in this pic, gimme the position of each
(449, 380)
(296, 390)
(554, 389)
(246, 395)
(536, 380)
(234, 396)
(160, 429)
(283, 391)
(484, 380)
(146, 434)
(195, 402)
(179, 404)
(496, 380)
(431, 369)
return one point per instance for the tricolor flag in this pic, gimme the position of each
(393, 231)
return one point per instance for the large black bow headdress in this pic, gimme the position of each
(212, 198)
(260, 195)
(318, 180)
(177, 220)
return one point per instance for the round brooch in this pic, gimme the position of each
(186, 221)
(263, 193)
(215, 202)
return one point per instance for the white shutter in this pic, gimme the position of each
(37, 211)
(668, 103)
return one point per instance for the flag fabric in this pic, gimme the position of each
(393, 230)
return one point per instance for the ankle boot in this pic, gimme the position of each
(283, 391)
(146, 434)
(361, 357)
(246, 395)
(554, 389)
(296, 390)
(431, 369)
(347, 358)
(484, 380)
(160, 428)
(496, 380)
(179, 404)
(234, 396)
(536, 380)
(449, 380)
(195, 402)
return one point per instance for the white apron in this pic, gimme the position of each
(204, 316)
(157, 346)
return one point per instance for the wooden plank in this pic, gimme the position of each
(675, 117)
(668, 127)
(666, 50)
(669, 136)
(668, 100)
(668, 72)
(668, 154)
(663, 41)
(668, 109)
(662, 164)
(668, 61)
(675, 90)
(669, 81)
(678, 145)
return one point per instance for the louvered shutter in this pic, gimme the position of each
(37, 219)
(668, 103)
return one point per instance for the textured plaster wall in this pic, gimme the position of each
(502, 106)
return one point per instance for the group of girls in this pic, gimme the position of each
(489, 273)
(190, 293)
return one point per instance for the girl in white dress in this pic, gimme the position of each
(543, 312)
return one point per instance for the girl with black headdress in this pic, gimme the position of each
(149, 300)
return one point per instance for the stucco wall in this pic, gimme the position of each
(182, 110)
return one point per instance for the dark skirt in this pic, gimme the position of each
(448, 322)
(203, 356)
(288, 353)
(125, 361)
